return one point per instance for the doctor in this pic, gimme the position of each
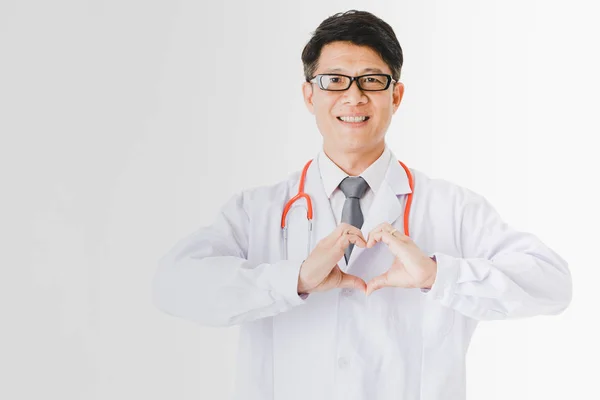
(381, 299)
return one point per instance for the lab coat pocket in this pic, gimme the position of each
(437, 321)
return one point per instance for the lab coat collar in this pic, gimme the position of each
(396, 177)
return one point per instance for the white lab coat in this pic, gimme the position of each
(395, 344)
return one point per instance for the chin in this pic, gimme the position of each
(353, 144)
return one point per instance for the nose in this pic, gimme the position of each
(353, 95)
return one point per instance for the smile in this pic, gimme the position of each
(353, 119)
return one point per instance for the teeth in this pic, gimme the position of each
(353, 119)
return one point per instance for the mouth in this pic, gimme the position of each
(354, 121)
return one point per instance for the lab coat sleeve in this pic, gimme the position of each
(503, 273)
(206, 277)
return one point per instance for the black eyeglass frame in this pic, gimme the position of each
(352, 79)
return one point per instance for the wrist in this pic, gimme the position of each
(302, 287)
(431, 280)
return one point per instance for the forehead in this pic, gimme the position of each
(346, 57)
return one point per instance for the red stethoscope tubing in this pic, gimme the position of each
(309, 208)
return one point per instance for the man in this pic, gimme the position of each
(362, 310)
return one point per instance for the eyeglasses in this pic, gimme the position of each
(338, 82)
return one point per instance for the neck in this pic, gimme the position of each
(354, 163)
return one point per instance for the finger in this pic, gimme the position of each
(347, 228)
(377, 283)
(352, 282)
(343, 227)
(357, 240)
(382, 227)
(375, 237)
(377, 228)
(344, 241)
(346, 238)
(340, 231)
(331, 239)
(386, 237)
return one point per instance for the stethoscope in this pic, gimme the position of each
(309, 208)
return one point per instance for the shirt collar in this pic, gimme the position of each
(332, 175)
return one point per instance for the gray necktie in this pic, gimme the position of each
(354, 187)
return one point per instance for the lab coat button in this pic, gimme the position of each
(342, 362)
(347, 292)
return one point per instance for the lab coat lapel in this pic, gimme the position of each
(302, 332)
(388, 204)
(323, 219)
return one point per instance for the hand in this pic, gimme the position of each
(320, 272)
(411, 268)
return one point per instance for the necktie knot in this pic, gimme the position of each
(354, 186)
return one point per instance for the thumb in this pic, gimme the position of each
(377, 283)
(352, 282)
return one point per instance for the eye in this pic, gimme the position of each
(334, 79)
(374, 79)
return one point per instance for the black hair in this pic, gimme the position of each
(360, 28)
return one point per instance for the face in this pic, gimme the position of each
(329, 107)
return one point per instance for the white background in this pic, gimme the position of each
(125, 125)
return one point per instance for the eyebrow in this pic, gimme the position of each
(366, 70)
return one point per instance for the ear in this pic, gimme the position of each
(307, 92)
(397, 95)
